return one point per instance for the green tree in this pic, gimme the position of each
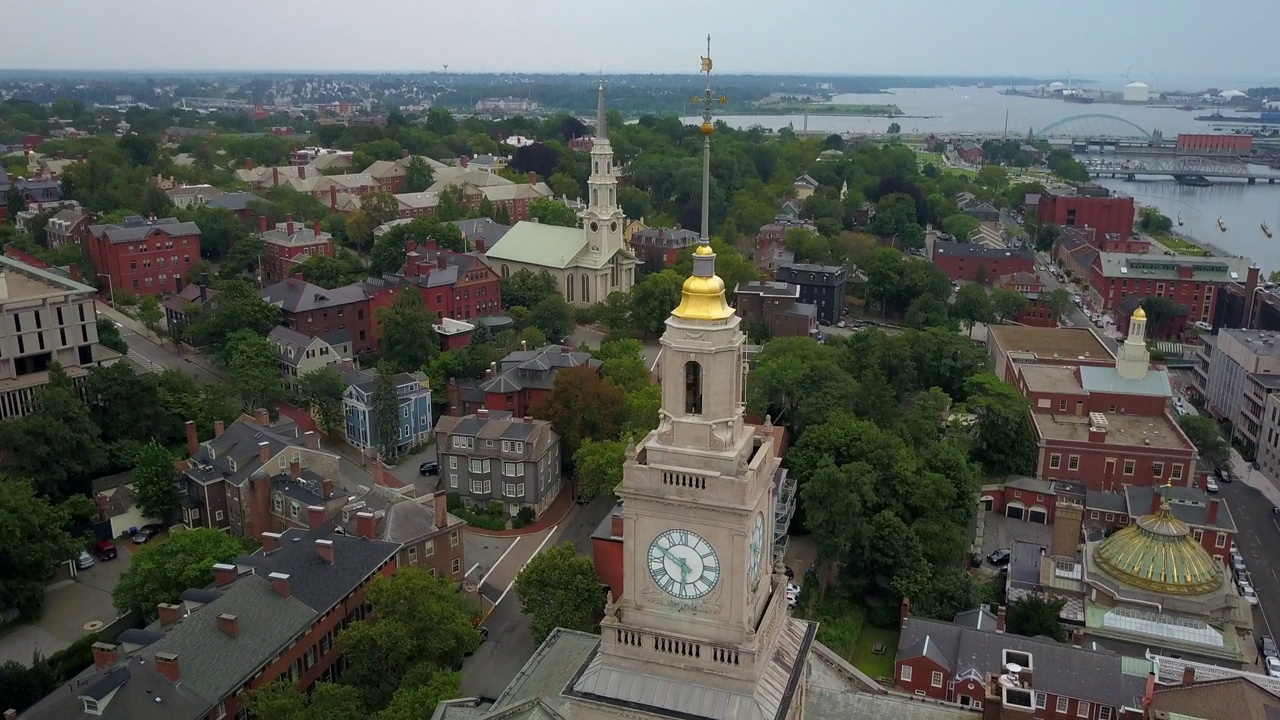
(526, 288)
(322, 389)
(1161, 313)
(36, 540)
(553, 212)
(553, 316)
(894, 128)
(896, 215)
(1204, 434)
(150, 314)
(642, 411)
(109, 335)
(452, 205)
(559, 588)
(598, 465)
(155, 482)
(565, 185)
(623, 363)
(418, 175)
(1035, 615)
(278, 700)
(1058, 300)
(160, 572)
(582, 406)
(1007, 304)
(16, 203)
(359, 228)
(412, 698)
(614, 312)
(994, 178)
(385, 408)
(653, 299)
(834, 510)
(960, 225)
(1002, 437)
(251, 363)
(243, 257)
(408, 342)
(238, 307)
(927, 311)
(419, 624)
(344, 268)
(388, 254)
(57, 446)
(972, 305)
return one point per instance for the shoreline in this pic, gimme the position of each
(833, 110)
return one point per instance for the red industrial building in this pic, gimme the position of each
(966, 262)
(144, 256)
(1097, 209)
(1215, 144)
(1193, 282)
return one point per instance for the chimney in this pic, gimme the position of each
(302, 172)
(169, 613)
(315, 516)
(1000, 619)
(315, 228)
(167, 665)
(404, 154)
(1213, 511)
(904, 613)
(280, 581)
(462, 162)
(1077, 637)
(262, 223)
(264, 451)
(326, 488)
(441, 500)
(527, 419)
(616, 525)
(270, 542)
(524, 346)
(479, 243)
(219, 427)
(10, 714)
(1188, 675)
(347, 365)
(248, 163)
(1025, 677)
(410, 246)
(1155, 500)
(193, 441)
(333, 197)
(324, 548)
(62, 155)
(1097, 434)
(483, 413)
(366, 525)
(204, 288)
(311, 440)
(295, 469)
(442, 262)
(288, 224)
(104, 655)
(223, 574)
(261, 416)
(275, 176)
(229, 624)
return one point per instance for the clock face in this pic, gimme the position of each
(755, 551)
(683, 564)
(595, 226)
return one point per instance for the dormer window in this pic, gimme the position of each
(231, 463)
(91, 706)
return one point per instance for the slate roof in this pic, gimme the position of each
(136, 228)
(239, 442)
(515, 191)
(1107, 380)
(314, 581)
(534, 369)
(401, 518)
(1165, 267)
(1208, 699)
(537, 435)
(289, 343)
(482, 229)
(1108, 502)
(233, 201)
(303, 234)
(768, 289)
(979, 619)
(828, 275)
(139, 687)
(293, 295)
(958, 249)
(1189, 505)
(1059, 669)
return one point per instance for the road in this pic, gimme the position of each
(150, 354)
(510, 644)
(1258, 532)
(1074, 316)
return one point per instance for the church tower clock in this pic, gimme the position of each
(602, 219)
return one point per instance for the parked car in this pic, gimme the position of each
(1244, 578)
(430, 467)
(103, 550)
(1267, 647)
(1273, 666)
(1249, 594)
(1000, 557)
(1237, 564)
(84, 561)
(144, 535)
(1224, 475)
(1211, 485)
(793, 590)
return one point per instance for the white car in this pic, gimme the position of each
(1272, 665)
(793, 590)
(1211, 485)
(1248, 593)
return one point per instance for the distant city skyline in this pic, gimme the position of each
(1156, 42)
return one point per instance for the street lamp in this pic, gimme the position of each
(111, 291)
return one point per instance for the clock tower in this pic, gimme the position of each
(602, 219)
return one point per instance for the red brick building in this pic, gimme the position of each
(1032, 288)
(662, 245)
(272, 615)
(1196, 283)
(315, 311)
(965, 262)
(1209, 518)
(288, 245)
(518, 382)
(1009, 346)
(145, 257)
(453, 285)
(69, 226)
(606, 551)
(974, 663)
(1098, 209)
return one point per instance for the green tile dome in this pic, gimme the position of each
(1158, 553)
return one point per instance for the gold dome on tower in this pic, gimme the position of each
(702, 296)
(708, 128)
(1139, 314)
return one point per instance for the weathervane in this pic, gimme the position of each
(707, 101)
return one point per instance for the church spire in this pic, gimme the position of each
(602, 132)
(1133, 361)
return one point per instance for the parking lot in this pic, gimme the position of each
(69, 608)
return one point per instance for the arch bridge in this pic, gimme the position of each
(1053, 129)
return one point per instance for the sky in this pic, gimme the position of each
(1144, 39)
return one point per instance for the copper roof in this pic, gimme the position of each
(1158, 553)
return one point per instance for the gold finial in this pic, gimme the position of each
(1139, 314)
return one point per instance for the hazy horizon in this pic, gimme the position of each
(1155, 42)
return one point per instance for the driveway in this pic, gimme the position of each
(68, 607)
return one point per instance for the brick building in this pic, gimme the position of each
(1074, 251)
(288, 245)
(518, 382)
(1094, 208)
(420, 525)
(1010, 346)
(145, 257)
(661, 246)
(69, 226)
(272, 615)
(315, 311)
(453, 285)
(776, 306)
(823, 286)
(1032, 288)
(1209, 518)
(967, 262)
(1194, 282)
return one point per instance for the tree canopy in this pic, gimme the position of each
(559, 588)
(160, 572)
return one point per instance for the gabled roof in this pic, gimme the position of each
(482, 229)
(518, 191)
(537, 435)
(534, 369)
(539, 244)
(806, 179)
(291, 344)
(1187, 504)
(233, 201)
(384, 169)
(312, 580)
(1208, 699)
(135, 228)
(240, 443)
(293, 295)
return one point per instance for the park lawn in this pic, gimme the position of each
(940, 162)
(877, 666)
(1180, 246)
(842, 627)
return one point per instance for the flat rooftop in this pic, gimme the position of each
(25, 282)
(1258, 342)
(1159, 432)
(1050, 342)
(1057, 379)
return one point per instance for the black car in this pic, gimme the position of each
(1267, 647)
(430, 467)
(1000, 557)
(144, 535)
(484, 635)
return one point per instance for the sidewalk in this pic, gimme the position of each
(188, 355)
(552, 517)
(1254, 478)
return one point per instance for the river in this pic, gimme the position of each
(968, 109)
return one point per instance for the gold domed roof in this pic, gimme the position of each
(1139, 314)
(702, 295)
(1158, 553)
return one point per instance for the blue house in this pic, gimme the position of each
(413, 417)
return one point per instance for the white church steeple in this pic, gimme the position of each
(1134, 361)
(602, 219)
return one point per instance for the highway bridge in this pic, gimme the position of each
(1182, 168)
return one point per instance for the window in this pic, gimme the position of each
(1082, 709)
(464, 442)
(429, 548)
(1093, 515)
(1055, 461)
(217, 515)
(1176, 471)
(1062, 406)
(293, 510)
(692, 388)
(514, 446)
(1073, 462)
(457, 566)
(277, 503)
(513, 469)
(481, 487)
(1017, 493)
(1220, 541)
(1062, 704)
(91, 706)
(515, 490)
(1111, 517)
(906, 673)
(453, 462)
(936, 679)
(1041, 700)
(453, 539)
(413, 556)
(404, 411)
(480, 466)
(1129, 466)
(453, 480)
(1157, 469)
(1104, 713)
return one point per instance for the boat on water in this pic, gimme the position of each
(1269, 117)
(1266, 230)
(1179, 219)
(984, 85)
(1221, 225)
